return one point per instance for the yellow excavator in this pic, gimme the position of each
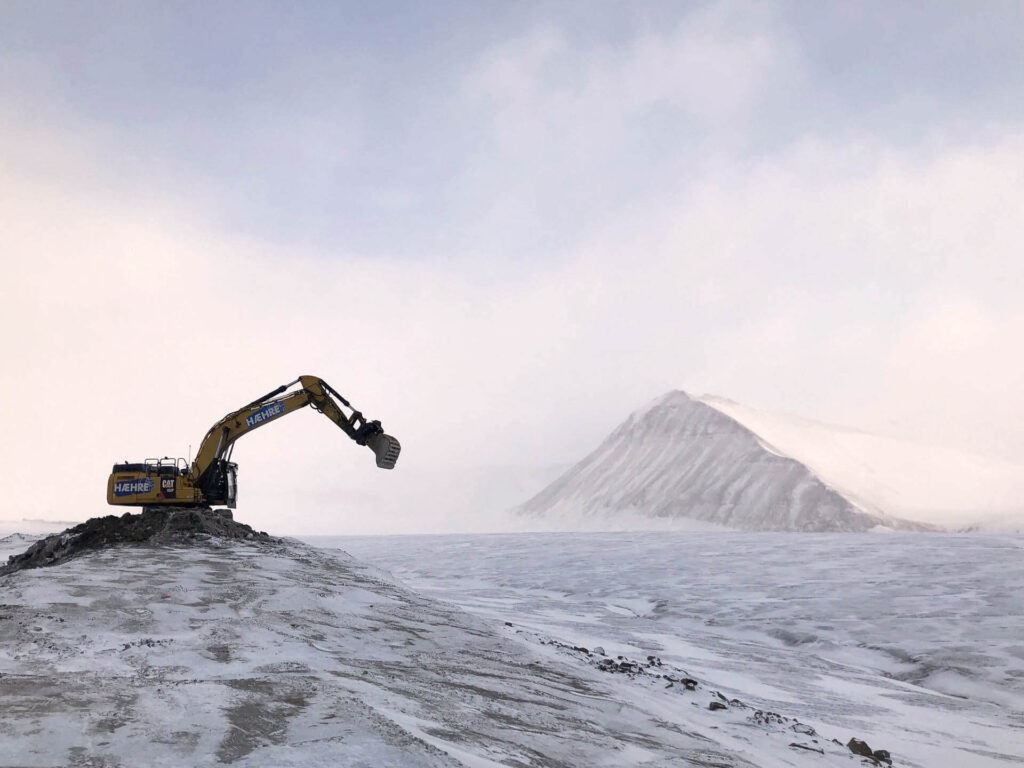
(211, 479)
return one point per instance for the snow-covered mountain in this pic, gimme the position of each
(708, 459)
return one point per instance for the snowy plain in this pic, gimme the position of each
(281, 654)
(912, 642)
(519, 650)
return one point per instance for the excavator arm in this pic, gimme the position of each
(312, 391)
(211, 478)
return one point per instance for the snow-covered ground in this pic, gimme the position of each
(25, 527)
(14, 543)
(265, 654)
(519, 650)
(914, 643)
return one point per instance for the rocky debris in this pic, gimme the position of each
(764, 717)
(629, 667)
(861, 748)
(625, 666)
(808, 747)
(622, 665)
(154, 525)
(148, 642)
(18, 538)
(654, 669)
(687, 682)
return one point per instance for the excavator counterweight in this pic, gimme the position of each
(212, 478)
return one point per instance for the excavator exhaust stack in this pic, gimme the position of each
(385, 448)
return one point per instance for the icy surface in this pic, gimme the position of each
(902, 478)
(279, 654)
(1008, 523)
(16, 543)
(913, 643)
(38, 528)
(681, 458)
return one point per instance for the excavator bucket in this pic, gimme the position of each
(386, 449)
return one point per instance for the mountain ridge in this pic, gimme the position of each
(681, 457)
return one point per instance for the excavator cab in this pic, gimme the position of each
(220, 483)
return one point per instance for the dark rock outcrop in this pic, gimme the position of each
(154, 525)
(859, 747)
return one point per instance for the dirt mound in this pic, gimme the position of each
(155, 525)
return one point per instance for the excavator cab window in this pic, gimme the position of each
(130, 467)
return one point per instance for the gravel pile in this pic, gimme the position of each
(154, 525)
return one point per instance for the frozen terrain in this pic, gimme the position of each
(33, 528)
(913, 643)
(15, 543)
(280, 654)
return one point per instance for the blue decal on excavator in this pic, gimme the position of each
(131, 487)
(266, 413)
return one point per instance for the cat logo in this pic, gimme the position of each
(168, 486)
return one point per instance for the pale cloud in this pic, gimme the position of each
(576, 137)
(543, 88)
(132, 328)
(622, 231)
(951, 328)
(953, 375)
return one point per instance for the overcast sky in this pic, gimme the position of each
(498, 228)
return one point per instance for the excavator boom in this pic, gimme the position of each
(211, 478)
